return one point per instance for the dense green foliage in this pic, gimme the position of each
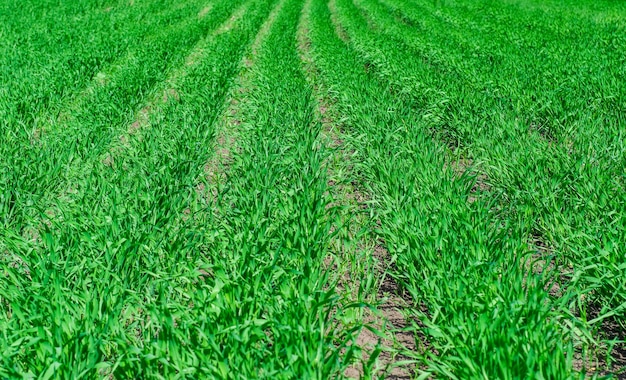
(174, 205)
(432, 109)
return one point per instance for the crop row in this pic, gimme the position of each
(108, 282)
(226, 189)
(499, 195)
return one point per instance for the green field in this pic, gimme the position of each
(312, 189)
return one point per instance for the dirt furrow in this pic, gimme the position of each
(339, 30)
(205, 11)
(216, 168)
(236, 16)
(387, 319)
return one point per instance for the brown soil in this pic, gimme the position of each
(35, 136)
(230, 23)
(170, 93)
(598, 362)
(108, 160)
(595, 362)
(217, 167)
(204, 11)
(391, 319)
(463, 166)
(339, 29)
(389, 316)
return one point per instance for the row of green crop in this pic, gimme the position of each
(122, 256)
(51, 51)
(463, 254)
(563, 180)
(112, 283)
(278, 307)
(41, 163)
(551, 70)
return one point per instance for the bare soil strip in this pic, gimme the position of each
(228, 25)
(388, 318)
(339, 30)
(227, 129)
(205, 11)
